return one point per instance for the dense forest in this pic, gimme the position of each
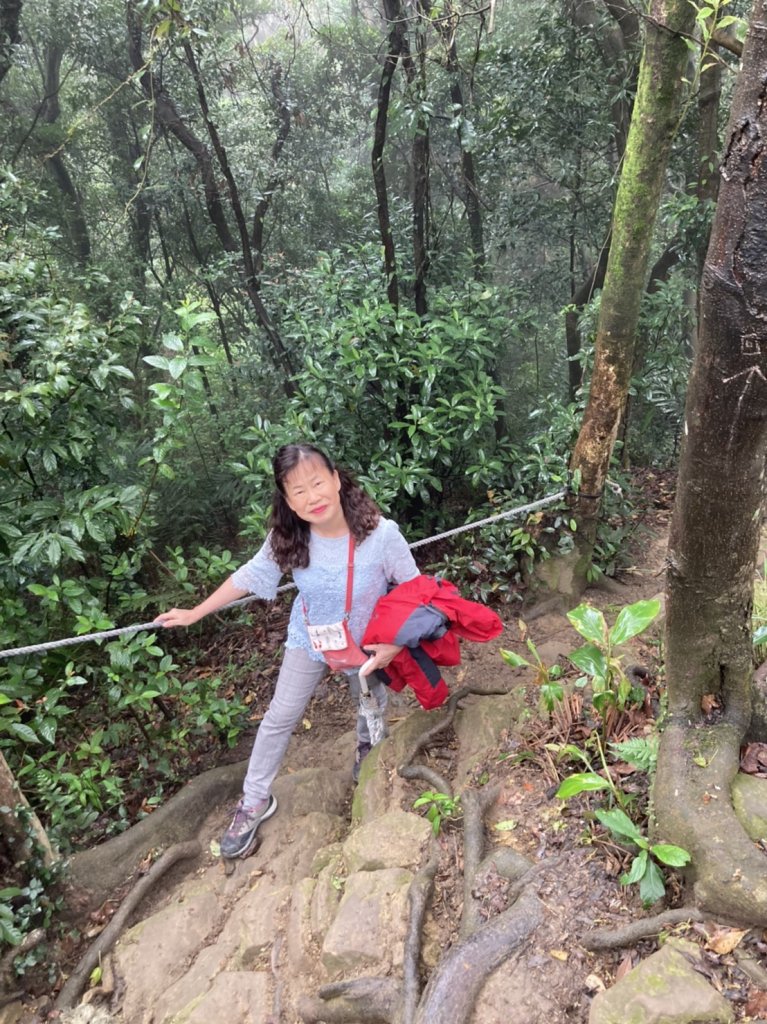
(385, 229)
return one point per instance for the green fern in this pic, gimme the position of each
(639, 751)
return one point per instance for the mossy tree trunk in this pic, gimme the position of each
(715, 532)
(654, 123)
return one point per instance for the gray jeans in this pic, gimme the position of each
(297, 681)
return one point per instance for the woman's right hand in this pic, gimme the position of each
(178, 617)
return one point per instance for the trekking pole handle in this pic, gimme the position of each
(363, 673)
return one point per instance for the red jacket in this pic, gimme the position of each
(426, 616)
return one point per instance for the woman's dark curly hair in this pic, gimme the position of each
(290, 534)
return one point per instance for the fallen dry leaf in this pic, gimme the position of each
(756, 1006)
(724, 940)
(559, 954)
(626, 965)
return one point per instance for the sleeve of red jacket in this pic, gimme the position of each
(425, 616)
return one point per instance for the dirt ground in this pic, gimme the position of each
(579, 865)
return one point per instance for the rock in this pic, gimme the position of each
(253, 925)
(326, 897)
(237, 997)
(480, 727)
(312, 789)
(749, 798)
(13, 1013)
(663, 989)
(154, 954)
(369, 929)
(394, 840)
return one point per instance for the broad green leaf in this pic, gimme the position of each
(589, 622)
(176, 366)
(589, 659)
(159, 361)
(581, 782)
(24, 732)
(633, 619)
(637, 869)
(652, 888)
(674, 856)
(515, 660)
(620, 823)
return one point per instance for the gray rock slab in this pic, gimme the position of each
(480, 728)
(369, 928)
(749, 798)
(253, 925)
(312, 789)
(395, 840)
(663, 989)
(155, 953)
(236, 997)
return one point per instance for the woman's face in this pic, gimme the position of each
(313, 492)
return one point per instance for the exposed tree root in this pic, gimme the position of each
(475, 803)
(613, 938)
(95, 874)
(457, 980)
(693, 805)
(438, 783)
(77, 981)
(30, 941)
(362, 1001)
(428, 735)
(418, 898)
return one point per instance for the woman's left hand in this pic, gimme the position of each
(382, 654)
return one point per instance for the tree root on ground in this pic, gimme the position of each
(475, 803)
(418, 899)
(77, 981)
(693, 806)
(626, 935)
(446, 721)
(30, 941)
(95, 874)
(362, 1001)
(452, 990)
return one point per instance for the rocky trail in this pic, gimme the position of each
(351, 904)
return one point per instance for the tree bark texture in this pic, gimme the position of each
(447, 25)
(13, 829)
(55, 164)
(653, 125)
(396, 44)
(716, 523)
(10, 16)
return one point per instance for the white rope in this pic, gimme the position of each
(106, 634)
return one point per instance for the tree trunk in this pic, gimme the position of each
(653, 125)
(210, 171)
(55, 164)
(10, 16)
(14, 830)
(397, 30)
(447, 24)
(715, 531)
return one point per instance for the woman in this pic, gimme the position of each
(321, 522)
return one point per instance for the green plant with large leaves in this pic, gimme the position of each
(599, 659)
(645, 868)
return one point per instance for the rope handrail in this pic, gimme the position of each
(106, 634)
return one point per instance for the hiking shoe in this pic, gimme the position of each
(363, 749)
(239, 838)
